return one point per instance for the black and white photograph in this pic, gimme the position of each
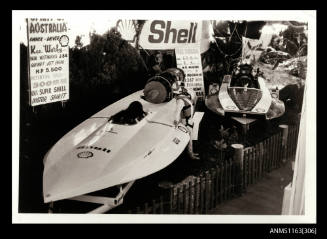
(161, 116)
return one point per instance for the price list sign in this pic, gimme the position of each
(48, 59)
(189, 60)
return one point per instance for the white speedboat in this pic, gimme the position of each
(244, 94)
(105, 151)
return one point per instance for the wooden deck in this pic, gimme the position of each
(263, 198)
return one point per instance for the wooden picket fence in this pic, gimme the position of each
(228, 179)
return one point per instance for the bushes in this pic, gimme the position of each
(109, 62)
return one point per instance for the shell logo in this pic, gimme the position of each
(127, 29)
(260, 110)
(85, 154)
(231, 107)
(64, 40)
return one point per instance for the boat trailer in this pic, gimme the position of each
(107, 203)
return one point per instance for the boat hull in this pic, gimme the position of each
(248, 102)
(98, 154)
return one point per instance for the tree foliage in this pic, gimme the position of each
(295, 41)
(107, 62)
(292, 40)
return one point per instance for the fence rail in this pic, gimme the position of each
(228, 179)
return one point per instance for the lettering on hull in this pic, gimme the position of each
(94, 147)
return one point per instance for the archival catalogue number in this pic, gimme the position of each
(293, 230)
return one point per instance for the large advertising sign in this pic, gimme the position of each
(189, 60)
(188, 38)
(48, 60)
(163, 34)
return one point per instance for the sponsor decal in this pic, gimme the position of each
(160, 34)
(94, 147)
(176, 140)
(260, 110)
(85, 154)
(64, 40)
(163, 32)
(127, 29)
(231, 107)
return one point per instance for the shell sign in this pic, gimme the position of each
(163, 34)
(127, 29)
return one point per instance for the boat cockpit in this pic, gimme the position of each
(243, 77)
(130, 116)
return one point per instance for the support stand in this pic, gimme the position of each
(108, 203)
(245, 122)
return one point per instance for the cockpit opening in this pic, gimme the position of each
(243, 77)
(130, 116)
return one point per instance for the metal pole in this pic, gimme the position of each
(238, 159)
(102, 209)
(284, 141)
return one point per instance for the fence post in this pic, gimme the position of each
(138, 210)
(186, 198)
(213, 187)
(202, 191)
(275, 151)
(161, 205)
(229, 178)
(146, 208)
(284, 141)
(191, 195)
(154, 206)
(221, 198)
(269, 154)
(252, 167)
(51, 207)
(207, 196)
(247, 168)
(172, 199)
(238, 159)
(218, 188)
(180, 200)
(225, 179)
(197, 196)
(261, 159)
(168, 189)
